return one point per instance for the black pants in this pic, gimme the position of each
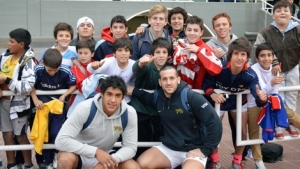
(149, 130)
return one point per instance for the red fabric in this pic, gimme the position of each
(206, 62)
(107, 35)
(79, 75)
(275, 102)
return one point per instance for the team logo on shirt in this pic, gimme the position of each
(204, 105)
(50, 86)
(179, 111)
(118, 128)
(232, 89)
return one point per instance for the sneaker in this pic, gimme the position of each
(249, 153)
(292, 131)
(260, 165)
(237, 166)
(28, 167)
(42, 166)
(279, 133)
(279, 136)
(49, 166)
(20, 166)
(55, 160)
(14, 167)
(214, 165)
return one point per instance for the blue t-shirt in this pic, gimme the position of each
(66, 56)
(61, 80)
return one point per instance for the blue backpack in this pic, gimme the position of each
(93, 111)
(184, 100)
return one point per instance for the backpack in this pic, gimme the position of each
(197, 126)
(93, 111)
(271, 152)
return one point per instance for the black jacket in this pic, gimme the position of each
(179, 133)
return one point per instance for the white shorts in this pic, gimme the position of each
(244, 109)
(88, 163)
(178, 157)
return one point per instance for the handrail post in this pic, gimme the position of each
(238, 118)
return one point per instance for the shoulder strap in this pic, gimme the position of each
(155, 96)
(187, 107)
(23, 63)
(92, 114)
(0, 61)
(185, 102)
(124, 119)
(170, 42)
(77, 63)
(140, 44)
(93, 111)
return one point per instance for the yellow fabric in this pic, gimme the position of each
(9, 67)
(39, 132)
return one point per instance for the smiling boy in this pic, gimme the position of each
(118, 29)
(283, 37)
(192, 57)
(63, 34)
(119, 65)
(157, 19)
(235, 77)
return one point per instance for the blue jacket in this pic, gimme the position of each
(147, 44)
(246, 79)
(270, 117)
(179, 134)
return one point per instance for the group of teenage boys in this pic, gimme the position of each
(169, 61)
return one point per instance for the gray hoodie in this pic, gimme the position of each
(102, 133)
(215, 43)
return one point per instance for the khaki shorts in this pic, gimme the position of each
(18, 126)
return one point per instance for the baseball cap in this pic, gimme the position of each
(84, 19)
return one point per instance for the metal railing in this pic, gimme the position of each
(239, 140)
(268, 8)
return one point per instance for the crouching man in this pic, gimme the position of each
(85, 140)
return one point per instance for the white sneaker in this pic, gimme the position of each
(260, 165)
(249, 153)
(55, 160)
(49, 166)
(14, 167)
(20, 166)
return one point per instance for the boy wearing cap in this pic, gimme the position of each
(85, 30)
(118, 29)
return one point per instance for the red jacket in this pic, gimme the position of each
(192, 67)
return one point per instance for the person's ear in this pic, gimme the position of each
(22, 44)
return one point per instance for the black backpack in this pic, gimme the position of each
(271, 152)
(197, 125)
